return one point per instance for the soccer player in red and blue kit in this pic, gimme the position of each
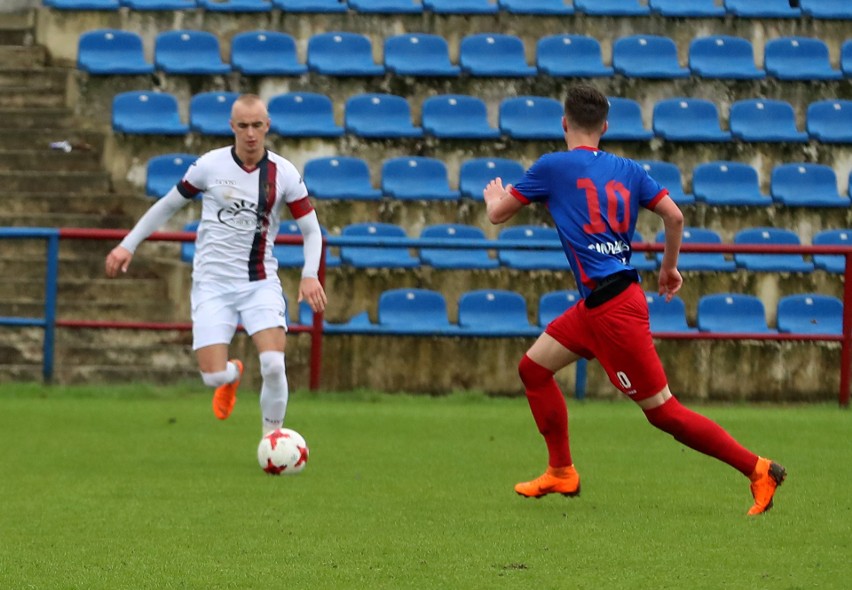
(594, 198)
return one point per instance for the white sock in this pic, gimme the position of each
(274, 393)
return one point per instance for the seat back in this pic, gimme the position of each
(810, 313)
(834, 263)
(553, 304)
(723, 56)
(571, 56)
(165, 171)
(732, 313)
(799, 58)
(702, 261)
(625, 121)
(668, 175)
(416, 177)
(768, 236)
(647, 56)
(339, 177)
(379, 115)
(413, 310)
(456, 115)
(460, 6)
(761, 119)
(830, 121)
(531, 117)
(266, 53)
(803, 183)
(730, 182)
(762, 9)
(342, 54)
(142, 112)
(210, 112)
(303, 114)
(317, 6)
(188, 52)
(416, 54)
(493, 310)
(455, 257)
(667, 316)
(494, 54)
(530, 259)
(386, 6)
(612, 7)
(688, 119)
(476, 173)
(686, 8)
(378, 256)
(112, 51)
(549, 7)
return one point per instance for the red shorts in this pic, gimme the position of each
(618, 334)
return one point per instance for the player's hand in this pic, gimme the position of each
(311, 290)
(117, 261)
(670, 282)
(494, 190)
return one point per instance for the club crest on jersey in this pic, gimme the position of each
(241, 215)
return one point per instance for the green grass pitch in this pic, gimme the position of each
(141, 487)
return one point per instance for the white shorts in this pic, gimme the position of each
(217, 310)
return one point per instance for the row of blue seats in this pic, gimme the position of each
(501, 313)
(510, 256)
(270, 53)
(460, 116)
(818, 9)
(719, 183)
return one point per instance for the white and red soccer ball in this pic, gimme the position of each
(282, 452)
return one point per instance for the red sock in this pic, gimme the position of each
(549, 410)
(701, 434)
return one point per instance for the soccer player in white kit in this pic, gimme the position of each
(234, 274)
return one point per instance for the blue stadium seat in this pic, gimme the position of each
(625, 121)
(762, 9)
(686, 8)
(830, 121)
(531, 117)
(386, 6)
(159, 5)
(612, 7)
(846, 58)
(210, 112)
(529, 259)
(188, 52)
(640, 260)
(476, 173)
(83, 4)
(731, 313)
(701, 261)
(187, 249)
(340, 177)
(688, 119)
(379, 115)
(165, 171)
(834, 263)
(495, 312)
(827, 9)
(542, 7)
(647, 56)
(554, 304)
(416, 178)
(765, 120)
(810, 313)
(667, 316)
(148, 113)
(376, 256)
(770, 236)
(799, 58)
(724, 184)
(494, 54)
(266, 53)
(112, 51)
(413, 311)
(724, 57)
(315, 6)
(293, 255)
(419, 54)
(806, 185)
(235, 5)
(457, 116)
(571, 56)
(342, 54)
(460, 6)
(668, 175)
(456, 258)
(303, 114)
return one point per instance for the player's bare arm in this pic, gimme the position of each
(500, 205)
(670, 280)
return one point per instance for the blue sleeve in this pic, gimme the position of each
(535, 185)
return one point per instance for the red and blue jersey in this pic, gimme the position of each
(594, 199)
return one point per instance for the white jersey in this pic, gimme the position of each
(241, 213)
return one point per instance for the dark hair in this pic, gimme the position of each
(586, 107)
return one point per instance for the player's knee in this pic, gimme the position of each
(216, 379)
(272, 365)
(668, 417)
(533, 374)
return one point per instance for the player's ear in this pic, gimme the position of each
(605, 127)
(564, 124)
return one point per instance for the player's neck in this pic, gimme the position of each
(250, 160)
(582, 140)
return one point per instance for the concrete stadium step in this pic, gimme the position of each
(91, 288)
(68, 182)
(119, 311)
(36, 79)
(58, 202)
(23, 96)
(89, 263)
(93, 220)
(13, 56)
(48, 161)
(17, 27)
(12, 138)
(28, 118)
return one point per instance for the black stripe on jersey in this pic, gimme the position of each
(266, 191)
(186, 190)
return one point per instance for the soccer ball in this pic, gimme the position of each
(282, 451)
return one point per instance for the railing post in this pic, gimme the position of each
(50, 288)
(317, 328)
(846, 344)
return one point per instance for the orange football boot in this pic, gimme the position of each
(766, 478)
(556, 480)
(226, 395)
